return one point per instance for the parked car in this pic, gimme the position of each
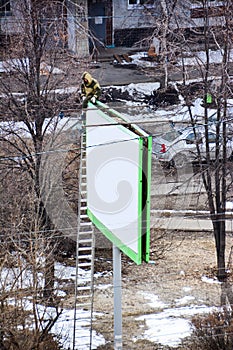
(178, 147)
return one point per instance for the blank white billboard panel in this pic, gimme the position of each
(114, 171)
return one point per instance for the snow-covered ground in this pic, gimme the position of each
(23, 64)
(168, 325)
(187, 60)
(63, 328)
(171, 324)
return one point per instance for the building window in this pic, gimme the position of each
(5, 7)
(139, 3)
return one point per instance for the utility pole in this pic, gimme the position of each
(117, 298)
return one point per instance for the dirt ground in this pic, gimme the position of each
(178, 275)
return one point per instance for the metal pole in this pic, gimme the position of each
(117, 298)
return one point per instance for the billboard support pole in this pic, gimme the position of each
(117, 298)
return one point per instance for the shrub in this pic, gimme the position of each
(213, 332)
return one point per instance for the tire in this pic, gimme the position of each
(179, 161)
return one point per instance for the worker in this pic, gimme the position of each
(90, 89)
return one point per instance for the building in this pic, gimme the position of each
(94, 23)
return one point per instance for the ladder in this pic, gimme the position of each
(85, 254)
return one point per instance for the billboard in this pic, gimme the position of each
(118, 160)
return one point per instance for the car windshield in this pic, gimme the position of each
(171, 135)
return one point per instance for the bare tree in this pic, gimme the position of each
(25, 322)
(215, 31)
(30, 104)
(214, 173)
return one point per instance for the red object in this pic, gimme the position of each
(163, 148)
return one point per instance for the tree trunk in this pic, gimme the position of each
(226, 294)
(49, 276)
(220, 244)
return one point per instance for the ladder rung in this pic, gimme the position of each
(81, 296)
(85, 223)
(82, 241)
(83, 288)
(82, 249)
(84, 257)
(84, 216)
(84, 264)
(85, 232)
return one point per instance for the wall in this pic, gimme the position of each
(9, 24)
(77, 24)
(131, 25)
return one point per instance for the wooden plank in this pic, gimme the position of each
(118, 58)
(127, 58)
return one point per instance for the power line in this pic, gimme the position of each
(19, 156)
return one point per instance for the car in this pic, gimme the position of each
(177, 148)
